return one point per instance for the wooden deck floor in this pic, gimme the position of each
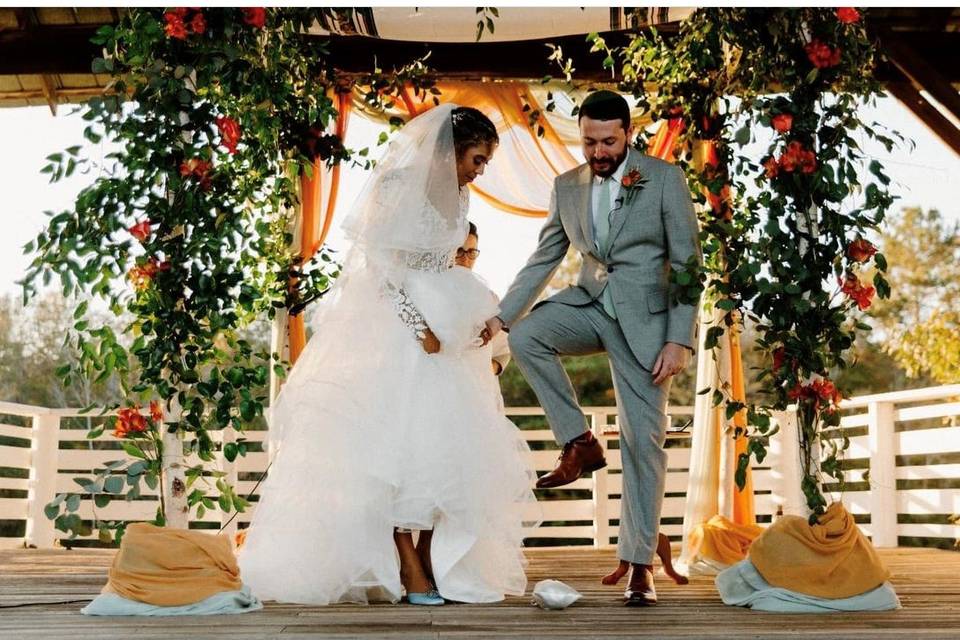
(928, 582)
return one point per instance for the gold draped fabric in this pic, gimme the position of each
(172, 567)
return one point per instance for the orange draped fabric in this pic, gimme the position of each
(314, 226)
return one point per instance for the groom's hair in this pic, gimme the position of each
(471, 128)
(606, 105)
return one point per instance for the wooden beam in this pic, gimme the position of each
(910, 96)
(49, 92)
(922, 73)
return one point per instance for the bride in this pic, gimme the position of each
(390, 422)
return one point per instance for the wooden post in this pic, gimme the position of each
(601, 500)
(883, 474)
(174, 482)
(42, 486)
(785, 467)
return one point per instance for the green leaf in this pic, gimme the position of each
(113, 484)
(73, 502)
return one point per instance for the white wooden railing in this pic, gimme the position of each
(909, 441)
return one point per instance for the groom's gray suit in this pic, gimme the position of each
(654, 231)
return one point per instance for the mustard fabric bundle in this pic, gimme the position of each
(722, 540)
(172, 567)
(831, 559)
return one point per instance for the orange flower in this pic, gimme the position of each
(847, 15)
(255, 16)
(856, 291)
(141, 230)
(175, 27)
(229, 132)
(142, 275)
(821, 54)
(782, 122)
(861, 250)
(198, 24)
(795, 156)
(772, 167)
(129, 420)
(156, 412)
(239, 538)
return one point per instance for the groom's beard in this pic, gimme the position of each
(607, 167)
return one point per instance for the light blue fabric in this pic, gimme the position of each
(110, 604)
(742, 585)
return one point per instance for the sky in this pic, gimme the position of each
(927, 176)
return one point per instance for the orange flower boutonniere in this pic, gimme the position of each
(630, 184)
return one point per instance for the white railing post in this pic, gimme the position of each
(601, 499)
(785, 469)
(883, 474)
(42, 486)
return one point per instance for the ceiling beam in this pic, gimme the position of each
(922, 73)
(904, 90)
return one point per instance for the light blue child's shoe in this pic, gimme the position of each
(431, 598)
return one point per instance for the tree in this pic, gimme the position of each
(920, 323)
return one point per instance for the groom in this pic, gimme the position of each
(631, 218)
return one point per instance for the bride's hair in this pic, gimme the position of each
(471, 128)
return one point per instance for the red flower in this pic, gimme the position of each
(782, 122)
(198, 23)
(229, 132)
(255, 16)
(200, 169)
(156, 412)
(175, 27)
(856, 291)
(141, 230)
(779, 356)
(822, 55)
(771, 166)
(795, 156)
(848, 15)
(129, 420)
(632, 178)
(180, 12)
(861, 250)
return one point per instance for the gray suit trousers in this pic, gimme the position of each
(554, 329)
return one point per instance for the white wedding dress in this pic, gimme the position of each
(374, 434)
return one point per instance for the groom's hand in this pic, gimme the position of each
(673, 359)
(430, 342)
(494, 326)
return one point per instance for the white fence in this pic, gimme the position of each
(909, 441)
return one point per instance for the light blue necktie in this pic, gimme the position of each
(603, 235)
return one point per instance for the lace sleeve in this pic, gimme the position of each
(406, 310)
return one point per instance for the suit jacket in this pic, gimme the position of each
(656, 231)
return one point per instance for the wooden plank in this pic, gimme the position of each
(943, 440)
(16, 484)
(905, 92)
(928, 412)
(922, 73)
(929, 472)
(15, 457)
(951, 531)
(927, 501)
(13, 508)
(13, 431)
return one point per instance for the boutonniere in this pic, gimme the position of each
(631, 184)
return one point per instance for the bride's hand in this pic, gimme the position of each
(430, 342)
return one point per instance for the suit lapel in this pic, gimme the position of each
(632, 161)
(582, 193)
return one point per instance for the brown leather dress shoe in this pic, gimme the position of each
(579, 456)
(640, 592)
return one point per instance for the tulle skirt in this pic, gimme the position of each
(376, 434)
